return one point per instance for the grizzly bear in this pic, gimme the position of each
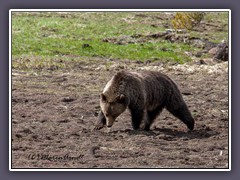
(145, 94)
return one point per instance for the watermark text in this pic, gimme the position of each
(59, 158)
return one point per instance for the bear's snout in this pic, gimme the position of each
(110, 122)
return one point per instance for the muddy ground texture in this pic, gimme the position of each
(54, 112)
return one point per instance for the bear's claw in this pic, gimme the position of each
(98, 127)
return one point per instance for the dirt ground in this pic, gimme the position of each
(54, 112)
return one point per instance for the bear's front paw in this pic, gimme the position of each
(98, 127)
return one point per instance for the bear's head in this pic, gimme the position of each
(112, 107)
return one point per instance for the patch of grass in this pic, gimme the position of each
(54, 34)
(35, 63)
(216, 27)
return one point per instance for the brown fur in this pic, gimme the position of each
(143, 93)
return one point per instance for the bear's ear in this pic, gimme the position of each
(103, 97)
(121, 98)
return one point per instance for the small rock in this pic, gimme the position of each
(201, 62)
(86, 46)
(199, 54)
(222, 53)
(213, 51)
(67, 99)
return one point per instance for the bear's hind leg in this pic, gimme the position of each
(183, 114)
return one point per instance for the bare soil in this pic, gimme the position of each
(54, 113)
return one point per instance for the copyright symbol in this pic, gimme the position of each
(31, 156)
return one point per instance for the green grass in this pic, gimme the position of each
(214, 19)
(54, 34)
